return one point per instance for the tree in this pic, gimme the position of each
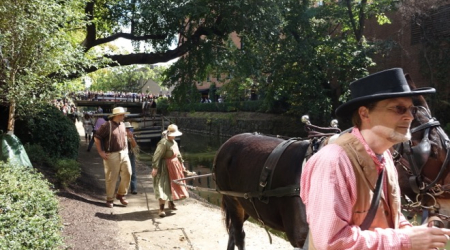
(158, 25)
(302, 59)
(125, 79)
(34, 42)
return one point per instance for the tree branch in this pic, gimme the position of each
(126, 36)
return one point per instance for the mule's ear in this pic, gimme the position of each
(417, 100)
(411, 84)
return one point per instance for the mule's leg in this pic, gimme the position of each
(295, 224)
(234, 219)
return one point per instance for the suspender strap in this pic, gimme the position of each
(109, 146)
(374, 204)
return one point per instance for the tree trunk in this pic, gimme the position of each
(11, 119)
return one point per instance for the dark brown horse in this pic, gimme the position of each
(238, 166)
(241, 162)
(423, 163)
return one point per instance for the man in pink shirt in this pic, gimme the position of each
(337, 183)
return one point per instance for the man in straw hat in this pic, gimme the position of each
(337, 183)
(111, 143)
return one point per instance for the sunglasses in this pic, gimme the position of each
(401, 110)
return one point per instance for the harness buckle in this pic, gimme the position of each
(263, 184)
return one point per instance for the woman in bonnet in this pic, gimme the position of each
(168, 165)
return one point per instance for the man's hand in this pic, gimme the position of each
(103, 155)
(422, 237)
(154, 172)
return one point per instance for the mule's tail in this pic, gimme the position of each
(226, 214)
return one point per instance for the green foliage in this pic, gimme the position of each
(63, 171)
(67, 171)
(249, 106)
(125, 79)
(162, 105)
(29, 210)
(37, 154)
(53, 131)
(300, 58)
(35, 42)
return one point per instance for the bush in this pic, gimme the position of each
(67, 171)
(29, 210)
(58, 171)
(53, 131)
(36, 154)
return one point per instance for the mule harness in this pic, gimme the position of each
(417, 156)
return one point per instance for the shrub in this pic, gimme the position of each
(36, 154)
(57, 171)
(67, 171)
(53, 131)
(29, 210)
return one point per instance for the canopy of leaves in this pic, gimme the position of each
(298, 56)
(35, 41)
(125, 79)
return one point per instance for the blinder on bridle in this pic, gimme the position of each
(418, 155)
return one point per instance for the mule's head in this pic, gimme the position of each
(424, 156)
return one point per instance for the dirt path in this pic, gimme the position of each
(196, 225)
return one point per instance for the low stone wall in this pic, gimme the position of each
(229, 124)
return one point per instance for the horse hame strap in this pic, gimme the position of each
(265, 180)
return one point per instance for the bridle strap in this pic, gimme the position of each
(429, 124)
(415, 180)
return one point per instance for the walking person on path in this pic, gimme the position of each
(88, 126)
(100, 121)
(111, 143)
(167, 166)
(338, 182)
(132, 144)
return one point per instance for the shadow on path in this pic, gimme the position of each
(133, 216)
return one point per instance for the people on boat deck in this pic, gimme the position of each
(153, 109)
(167, 166)
(339, 181)
(111, 143)
(132, 147)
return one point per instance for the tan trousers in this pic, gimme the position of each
(117, 164)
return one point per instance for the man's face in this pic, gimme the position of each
(119, 118)
(390, 119)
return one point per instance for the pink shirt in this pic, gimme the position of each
(328, 189)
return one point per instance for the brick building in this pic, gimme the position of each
(412, 25)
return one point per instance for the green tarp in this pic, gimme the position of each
(13, 150)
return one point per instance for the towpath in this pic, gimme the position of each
(196, 225)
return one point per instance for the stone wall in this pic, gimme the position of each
(228, 124)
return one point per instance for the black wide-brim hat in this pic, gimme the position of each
(382, 85)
